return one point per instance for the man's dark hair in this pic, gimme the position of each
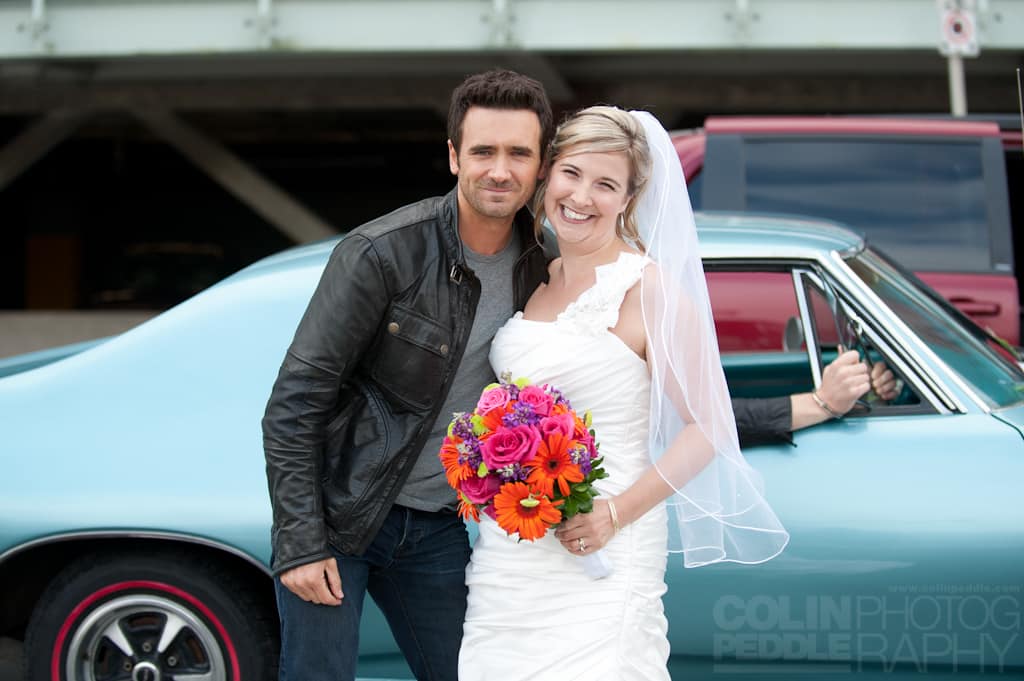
(500, 89)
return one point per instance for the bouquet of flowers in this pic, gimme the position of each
(524, 457)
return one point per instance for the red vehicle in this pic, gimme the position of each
(934, 193)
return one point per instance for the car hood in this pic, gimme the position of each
(32, 360)
(157, 429)
(1012, 416)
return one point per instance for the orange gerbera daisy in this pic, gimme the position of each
(455, 471)
(467, 509)
(552, 464)
(492, 420)
(580, 429)
(524, 509)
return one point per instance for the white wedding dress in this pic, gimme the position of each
(533, 613)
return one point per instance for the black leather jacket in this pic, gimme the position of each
(370, 366)
(763, 420)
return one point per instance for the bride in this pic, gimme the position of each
(623, 328)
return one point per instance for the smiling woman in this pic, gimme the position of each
(585, 196)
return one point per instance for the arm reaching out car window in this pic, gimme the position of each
(843, 382)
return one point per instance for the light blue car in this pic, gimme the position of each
(134, 516)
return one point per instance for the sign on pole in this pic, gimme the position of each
(958, 28)
(958, 32)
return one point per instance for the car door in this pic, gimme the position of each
(905, 550)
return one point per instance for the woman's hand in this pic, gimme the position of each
(585, 533)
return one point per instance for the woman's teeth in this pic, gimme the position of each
(573, 215)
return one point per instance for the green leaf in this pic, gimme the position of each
(571, 508)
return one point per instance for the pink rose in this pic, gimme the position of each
(536, 398)
(509, 445)
(492, 399)
(563, 424)
(489, 510)
(480, 490)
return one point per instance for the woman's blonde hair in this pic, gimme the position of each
(602, 129)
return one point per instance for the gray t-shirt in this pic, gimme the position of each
(426, 488)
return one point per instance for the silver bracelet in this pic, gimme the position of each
(824, 405)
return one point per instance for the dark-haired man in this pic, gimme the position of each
(394, 340)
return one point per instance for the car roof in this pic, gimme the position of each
(719, 233)
(760, 232)
(850, 125)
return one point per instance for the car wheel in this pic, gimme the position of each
(149, 618)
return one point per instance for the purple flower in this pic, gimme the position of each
(512, 473)
(522, 415)
(581, 456)
(462, 426)
(469, 451)
(559, 398)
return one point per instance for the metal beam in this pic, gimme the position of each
(119, 28)
(34, 142)
(263, 196)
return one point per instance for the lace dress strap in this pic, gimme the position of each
(597, 308)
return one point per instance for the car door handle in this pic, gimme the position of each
(980, 308)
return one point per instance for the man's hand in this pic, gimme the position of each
(883, 382)
(317, 582)
(844, 381)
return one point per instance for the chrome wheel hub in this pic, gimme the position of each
(144, 637)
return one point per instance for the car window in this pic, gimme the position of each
(963, 346)
(922, 202)
(836, 328)
(759, 359)
(694, 188)
(746, 323)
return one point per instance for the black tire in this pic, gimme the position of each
(152, 616)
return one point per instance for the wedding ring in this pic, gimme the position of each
(583, 544)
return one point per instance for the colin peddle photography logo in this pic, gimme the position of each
(919, 628)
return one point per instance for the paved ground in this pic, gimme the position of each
(10, 660)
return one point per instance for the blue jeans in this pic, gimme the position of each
(415, 571)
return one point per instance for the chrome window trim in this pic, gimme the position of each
(912, 371)
(888, 321)
(931, 386)
(807, 322)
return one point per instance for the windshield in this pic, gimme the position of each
(965, 347)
